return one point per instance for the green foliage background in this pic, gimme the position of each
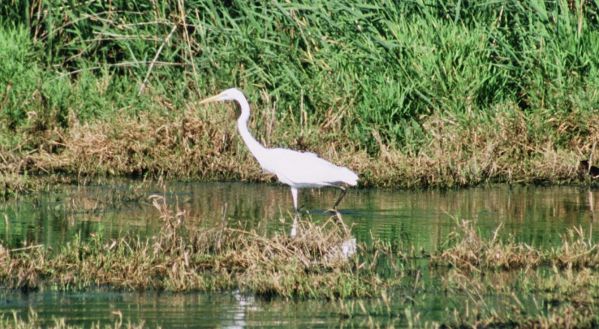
(379, 68)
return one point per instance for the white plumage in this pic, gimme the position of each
(296, 169)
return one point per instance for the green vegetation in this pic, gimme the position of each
(407, 93)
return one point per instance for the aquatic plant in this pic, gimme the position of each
(473, 252)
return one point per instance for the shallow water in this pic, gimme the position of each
(535, 215)
(226, 310)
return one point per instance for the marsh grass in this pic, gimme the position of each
(557, 317)
(467, 249)
(532, 288)
(486, 299)
(472, 252)
(311, 264)
(568, 316)
(523, 298)
(181, 258)
(577, 251)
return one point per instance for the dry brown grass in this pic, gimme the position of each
(577, 250)
(562, 299)
(474, 253)
(567, 316)
(11, 179)
(471, 150)
(183, 258)
(203, 143)
(184, 147)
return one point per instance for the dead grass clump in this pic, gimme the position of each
(472, 252)
(576, 251)
(524, 299)
(563, 316)
(505, 146)
(580, 287)
(566, 316)
(183, 258)
(299, 265)
(182, 146)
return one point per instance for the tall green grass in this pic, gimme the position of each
(360, 68)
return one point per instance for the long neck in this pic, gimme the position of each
(252, 144)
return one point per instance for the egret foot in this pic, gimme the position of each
(343, 191)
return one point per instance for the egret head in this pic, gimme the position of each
(231, 94)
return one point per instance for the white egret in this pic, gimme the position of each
(296, 169)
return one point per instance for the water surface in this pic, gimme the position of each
(535, 215)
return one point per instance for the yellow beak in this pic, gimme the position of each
(210, 99)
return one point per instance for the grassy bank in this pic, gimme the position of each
(408, 94)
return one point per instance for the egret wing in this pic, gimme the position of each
(306, 169)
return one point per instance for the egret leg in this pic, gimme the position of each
(294, 196)
(293, 231)
(343, 191)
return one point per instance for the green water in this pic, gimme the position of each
(535, 215)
